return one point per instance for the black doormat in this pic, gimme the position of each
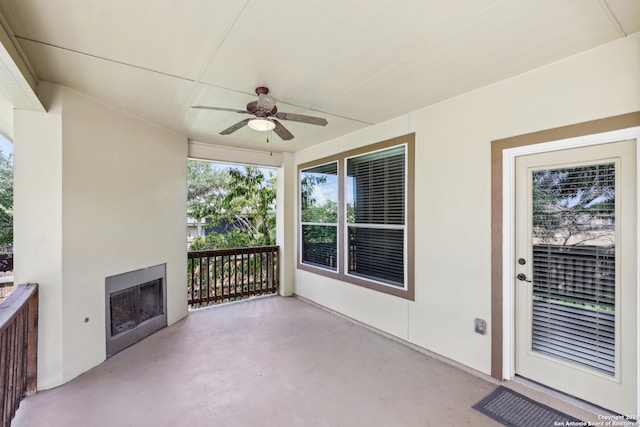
(515, 410)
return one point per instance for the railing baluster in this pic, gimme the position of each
(270, 275)
(6, 416)
(236, 282)
(17, 363)
(229, 275)
(215, 278)
(259, 273)
(4, 355)
(269, 278)
(227, 272)
(244, 277)
(196, 286)
(225, 277)
(271, 260)
(267, 264)
(201, 278)
(13, 339)
(220, 267)
(17, 367)
(196, 282)
(32, 346)
(208, 278)
(276, 269)
(254, 276)
(192, 266)
(246, 258)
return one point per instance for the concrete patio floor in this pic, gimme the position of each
(270, 361)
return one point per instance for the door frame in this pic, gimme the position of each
(503, 153)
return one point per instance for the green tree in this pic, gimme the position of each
(251, 202)
(6, 199)
(206, 189)
(573, 205)
(318, 209)
(241, 199)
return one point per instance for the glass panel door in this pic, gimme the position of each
(575, 284)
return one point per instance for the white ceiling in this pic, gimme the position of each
(354, 63)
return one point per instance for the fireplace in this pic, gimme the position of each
(135, 306)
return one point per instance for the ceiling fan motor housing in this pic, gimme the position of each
(258, 110)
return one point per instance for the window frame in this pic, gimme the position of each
(375, 226)
(303, 223)
(341, 273)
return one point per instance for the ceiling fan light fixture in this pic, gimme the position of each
(261, 125)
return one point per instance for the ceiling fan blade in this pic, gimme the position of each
(202, 107)
(302, 119)
(235, 127)
(281, 131)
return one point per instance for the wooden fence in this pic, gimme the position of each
(224, 275)
(18, 349)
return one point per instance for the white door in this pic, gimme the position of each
(575, 260)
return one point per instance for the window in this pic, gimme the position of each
(319, 215)
(356, 216)
(375, 215)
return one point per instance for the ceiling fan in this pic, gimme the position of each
(266, 113)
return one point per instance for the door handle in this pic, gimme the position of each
(522, 277)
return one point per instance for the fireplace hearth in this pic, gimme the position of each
(135, 306)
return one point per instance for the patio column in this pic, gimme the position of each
(38, 225)
(286, 223)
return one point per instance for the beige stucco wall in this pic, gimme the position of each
(453, 200)
(118, 205)
(37, 205)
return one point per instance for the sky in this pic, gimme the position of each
(221, 166)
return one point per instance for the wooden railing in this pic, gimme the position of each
(224, 275)
(18, 349)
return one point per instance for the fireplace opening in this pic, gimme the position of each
(130, 307)
(135, 306)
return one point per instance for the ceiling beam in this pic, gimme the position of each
(18, 80)
(613, 18)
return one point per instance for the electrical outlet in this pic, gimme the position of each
(480, 326)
